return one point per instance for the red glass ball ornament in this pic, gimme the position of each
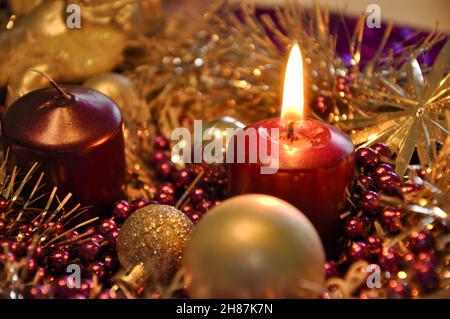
(164, 169)
(366, 157)
(188, 209)
(89, 250)
(111, 238)
(370, 202)
(139, 203)
(389, 259)
(388, 181)
(183, 177)
(374, 244)
(197, 195)
(122, 209)
(357, 251)
(164, 198)
(35, 251)
(2, 227)
(204, 206)
(363, 184)
(382, 150)
(343, 85)
(356, 227)
(195, 217)
(159, 156)
(409, 189)
(420, 241)
(111, 263)
(391, 219)
(161, 142)
(322, 105)
(98, 238)
(106, 225)
(95, 269)
(58, 260)
(167, 188)
(4, 204)
(379, 169)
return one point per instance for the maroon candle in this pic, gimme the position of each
(315, 162)
(76, 135)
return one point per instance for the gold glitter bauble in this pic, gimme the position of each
(154, 235)
(254, 246)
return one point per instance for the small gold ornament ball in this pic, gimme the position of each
(219, 127)
(254, 246)
(116, 86)
(156, 236)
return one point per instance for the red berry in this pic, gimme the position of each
(382, 149)
(366, 157)
(389, 259)
(391, 219)
(89, 250)
(356, 227)
(370, 202)
(388, 181)
(420, 241)
(106, 225)
(357, 251)
(122, 209)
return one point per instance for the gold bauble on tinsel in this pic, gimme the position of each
(220, 125)
(254, 246)
(116, 86)
(154, 236)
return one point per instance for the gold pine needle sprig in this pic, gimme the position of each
(19, 208)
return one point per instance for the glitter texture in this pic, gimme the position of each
(156, 236)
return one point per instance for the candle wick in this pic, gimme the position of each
(291, 127)
(53, 83)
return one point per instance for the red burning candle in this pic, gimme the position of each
(315, 162)
(76, 135)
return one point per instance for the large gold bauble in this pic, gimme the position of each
(154, 236)
(254, 246)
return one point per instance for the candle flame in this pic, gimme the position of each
(293, 101)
